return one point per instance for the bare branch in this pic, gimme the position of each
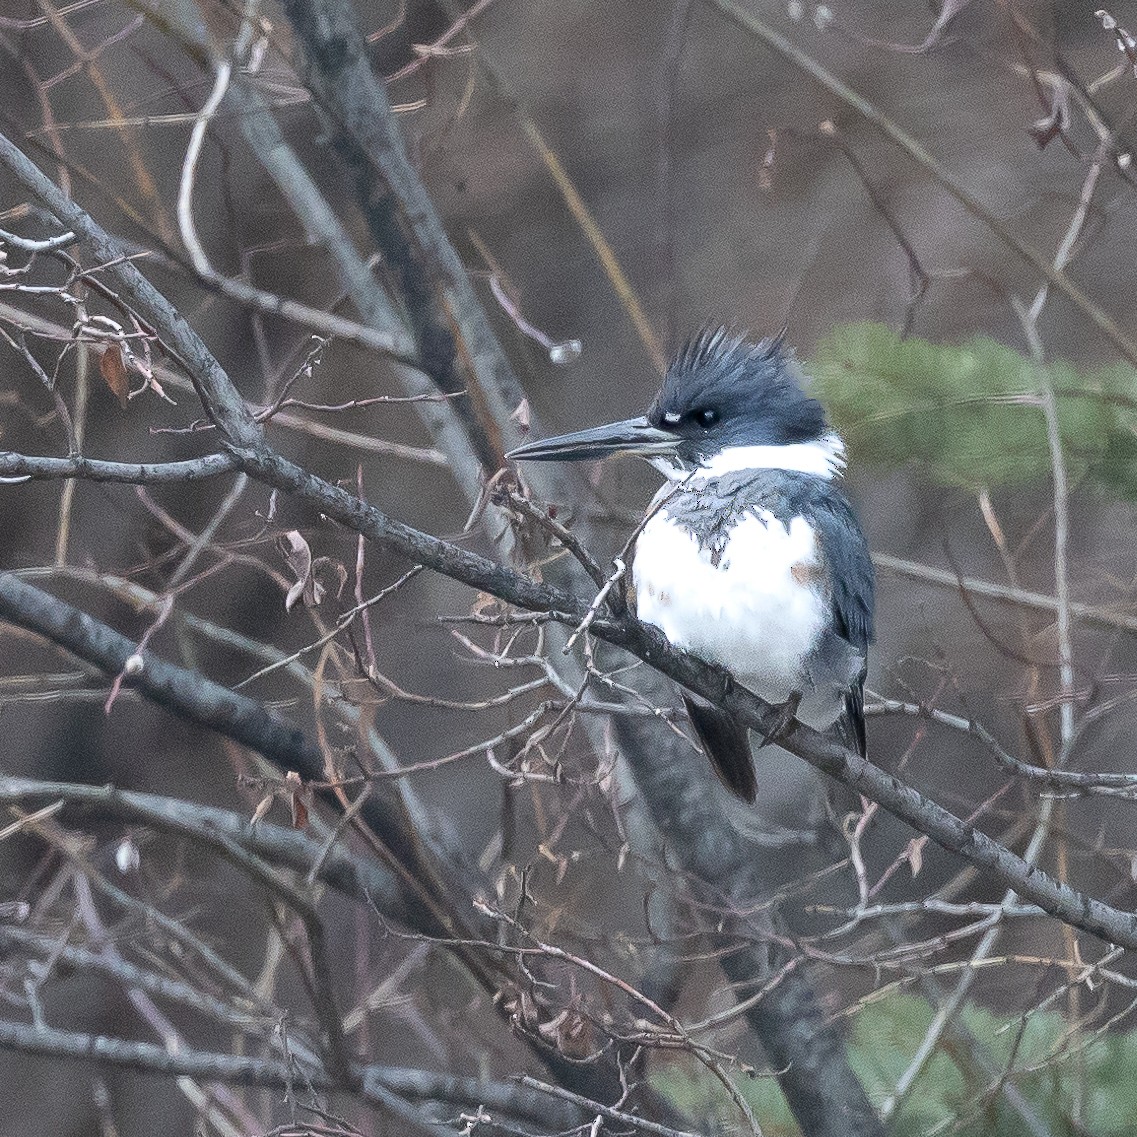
(253, 726)
(27, 467)
(1101, 616)
(922, 157)
(375, 1083)
(221, 399)
(405, 224)
(1071, 780)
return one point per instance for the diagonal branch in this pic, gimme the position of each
(196, 699)
(187, 695)
(220, 398)
(648, 644)
(447, 320)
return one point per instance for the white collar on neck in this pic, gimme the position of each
(824, 458)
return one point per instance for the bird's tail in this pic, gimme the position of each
(850, 727)
(726, 742)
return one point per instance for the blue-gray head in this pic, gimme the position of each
(726, 404)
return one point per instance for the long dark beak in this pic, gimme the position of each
(632, 436)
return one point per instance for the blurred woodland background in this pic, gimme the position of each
(314, 825)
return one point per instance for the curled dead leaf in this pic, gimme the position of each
(323, 565)
(298, 557)
(308, 572)
(113, 370)
(915, 854)
(296, 795)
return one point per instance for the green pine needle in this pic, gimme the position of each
(969, 414)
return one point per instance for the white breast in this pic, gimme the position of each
(758, 612)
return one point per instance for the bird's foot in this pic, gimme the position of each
(783, 724)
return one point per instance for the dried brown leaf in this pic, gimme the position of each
(915, 855)
(322, 565)
(113, 370)
(297, 793)
(298, 557)
(309, 573)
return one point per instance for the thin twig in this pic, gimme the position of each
(758, 28)
(596, 605)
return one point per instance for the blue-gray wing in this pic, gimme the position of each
(853, 584)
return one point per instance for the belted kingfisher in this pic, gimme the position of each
(750, 557)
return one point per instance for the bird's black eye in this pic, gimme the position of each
(705, 417)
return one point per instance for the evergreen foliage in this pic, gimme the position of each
(970, 414)
(1046, 1063)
